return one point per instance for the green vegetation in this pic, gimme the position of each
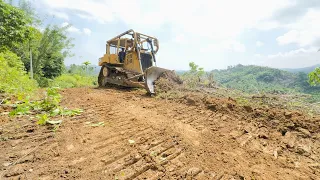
(264, 80)
(44, 108)
(76, 76)
(49, 49)
(256, 79)
(73, 80)
(20, 35)
(253, 86)
(314, 77)
(13, 26)
(13, 79)
(20, 39)
(192, 78)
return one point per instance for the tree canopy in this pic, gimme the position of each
(14, 26)
(314, 77)
(20, 33)
(253, 79)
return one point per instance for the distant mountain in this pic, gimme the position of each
(305, 69)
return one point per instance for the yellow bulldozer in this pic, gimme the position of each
(130, 61)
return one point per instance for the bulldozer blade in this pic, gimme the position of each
(151, 75)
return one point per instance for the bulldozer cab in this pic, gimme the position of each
(132, 50)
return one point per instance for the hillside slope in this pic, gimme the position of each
(253, 79)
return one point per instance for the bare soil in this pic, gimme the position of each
(125, 134)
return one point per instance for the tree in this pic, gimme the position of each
(49, 49)
(29, 11)
(14, 27)
(54, 48)
(314, 77)
(195, 70)
(86, 64)
(18, 33)
(33, 42)
(193, 76)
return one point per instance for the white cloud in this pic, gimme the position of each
(208, 18)
(288, 38)
(87, 31)
(225, 46)
(64, 24)
(180, 39)
(94, 10)
(74, 29)
(258, 55)
(60, 15)
(294, 53)
(301, 57)
(234, 46)
(304, 32)
(259, 43)
(266, 25)
(71, 28)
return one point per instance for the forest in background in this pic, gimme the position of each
(23, 37)
(256, 79)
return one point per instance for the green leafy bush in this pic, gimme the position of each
(13, 79)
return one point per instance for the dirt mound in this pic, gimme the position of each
(286, 120)
(169, 80)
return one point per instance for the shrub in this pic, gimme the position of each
(13, 78)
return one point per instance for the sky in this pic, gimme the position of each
(212, 33)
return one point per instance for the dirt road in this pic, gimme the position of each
(128, 135)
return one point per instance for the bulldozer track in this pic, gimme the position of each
(141, 138)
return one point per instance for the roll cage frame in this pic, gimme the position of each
(136, 43)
